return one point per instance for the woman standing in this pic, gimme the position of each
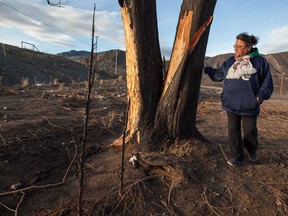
(247, 83)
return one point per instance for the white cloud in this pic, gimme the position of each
(276, 41)
(61, 26)
(109, 26)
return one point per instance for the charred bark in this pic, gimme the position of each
(144, 63)
(177, 109)
(167, 106)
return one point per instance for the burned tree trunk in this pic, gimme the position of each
(169, 105)
(177, 109)
(143, 68)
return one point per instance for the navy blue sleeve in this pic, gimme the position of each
(218, 75)
(266, 82)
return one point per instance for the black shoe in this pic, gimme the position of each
(234, 161)
(253, 156)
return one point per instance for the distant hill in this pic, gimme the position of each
(74, 53)
(106, 60)
(17, 63)
(69, 67)
(218, 60)
(279, 64)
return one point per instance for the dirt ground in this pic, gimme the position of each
(41, 128)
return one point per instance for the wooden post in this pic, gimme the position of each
(281, 85)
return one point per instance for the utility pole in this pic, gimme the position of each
(116, 61)
(96, 54)
(96, 41)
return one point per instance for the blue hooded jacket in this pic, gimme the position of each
(239, 95)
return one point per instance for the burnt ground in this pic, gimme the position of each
(41, 128)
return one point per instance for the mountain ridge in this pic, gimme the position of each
(70, 67)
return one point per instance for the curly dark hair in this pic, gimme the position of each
(250, 39)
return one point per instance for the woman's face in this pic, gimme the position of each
(241, 48)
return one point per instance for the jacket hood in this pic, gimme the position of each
(254, 52)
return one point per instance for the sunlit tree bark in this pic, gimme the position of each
(164, 106)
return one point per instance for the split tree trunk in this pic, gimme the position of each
(164, 106)
(178, 105)
(143, 63)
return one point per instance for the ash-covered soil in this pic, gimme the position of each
(41, 128)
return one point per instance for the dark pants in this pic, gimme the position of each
(250, 138)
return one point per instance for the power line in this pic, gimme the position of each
(39, 20)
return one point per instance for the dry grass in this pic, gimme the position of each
(61, 87)
(109, 119)
(25, 82)
(181, 150)
(56, 81)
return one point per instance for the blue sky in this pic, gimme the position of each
(54, 29)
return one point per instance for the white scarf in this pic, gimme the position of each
(242, 67)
